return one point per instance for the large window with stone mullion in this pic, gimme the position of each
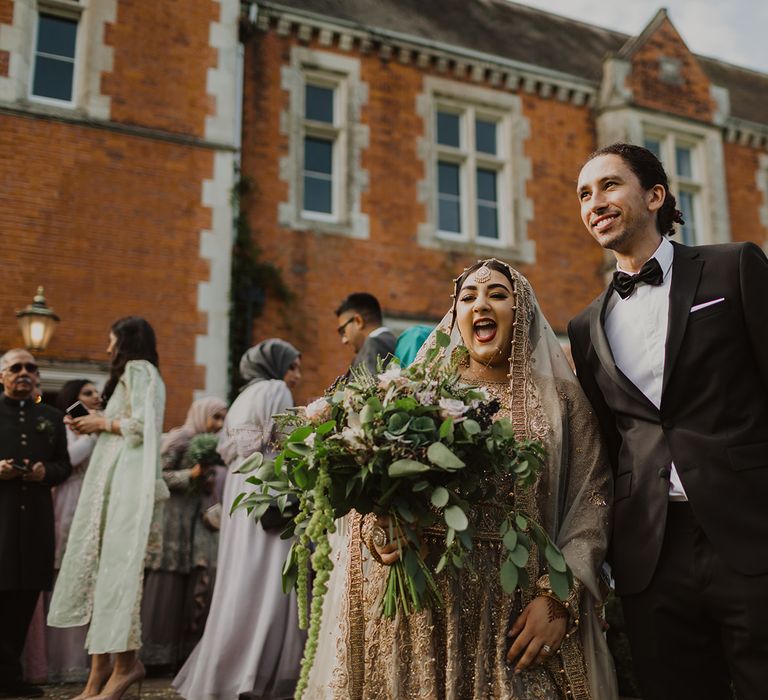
(470, 171)
(681, 160)
(323, 148)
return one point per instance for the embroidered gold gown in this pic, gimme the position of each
(458, 652)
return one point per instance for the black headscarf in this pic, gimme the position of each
(270, 359)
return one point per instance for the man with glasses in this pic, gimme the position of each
(33, 457)
(360, 327)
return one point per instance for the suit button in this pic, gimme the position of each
(665, 473)
(23, 507)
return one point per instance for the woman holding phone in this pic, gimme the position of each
(117, 518)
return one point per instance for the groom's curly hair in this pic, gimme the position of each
(649, 170)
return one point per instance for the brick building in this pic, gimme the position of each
(392, 142)
(388, 143)
(118, 137)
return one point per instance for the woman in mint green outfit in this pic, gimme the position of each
(117, 519)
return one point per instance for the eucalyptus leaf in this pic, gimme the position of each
(299, 448)
(326, 427)
(236, 502)
(559, 583)
(450, 534)
(446, 429)
(555, 559)
(406, 467)
(251, 463)
(367, 414)
(420, 486)
(440, 454)
(442, 339)
(519, 555)
(439, 497)
(455, 518)
(422, 424)
(521, 522)
(300, 434)
(471, 427)
(441, 564)
(509, 576)
(282, 500)
(510, 539)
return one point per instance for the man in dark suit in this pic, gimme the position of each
(673, 356)
(33, 457)
(360, 327)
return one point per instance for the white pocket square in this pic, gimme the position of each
(706, 304)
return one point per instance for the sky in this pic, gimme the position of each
(735, 31)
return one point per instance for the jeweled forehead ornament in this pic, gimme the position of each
(482, 274)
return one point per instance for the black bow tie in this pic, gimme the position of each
(650, 273)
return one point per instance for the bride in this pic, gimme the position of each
(484, 643)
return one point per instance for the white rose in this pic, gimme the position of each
(452, 408)
(393, 375)
(319, 411)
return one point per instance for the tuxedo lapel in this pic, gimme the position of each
(603, 348)
(686, 272)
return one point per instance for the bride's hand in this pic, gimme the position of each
(542, 622)
(387, 549)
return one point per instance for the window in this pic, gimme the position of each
(322, 136)
(326, 140)
(680, 158)
(471, 173)
(54, 58)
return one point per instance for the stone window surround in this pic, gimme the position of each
(92, 56)
(350, 180)
(631, 125)
(514, 243)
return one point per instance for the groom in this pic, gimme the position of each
(673, 356)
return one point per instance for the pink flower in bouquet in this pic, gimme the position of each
(319, 411)
(453, 409)
(392, 376)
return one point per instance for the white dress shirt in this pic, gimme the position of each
(636, 328)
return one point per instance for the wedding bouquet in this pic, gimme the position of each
(415, 446)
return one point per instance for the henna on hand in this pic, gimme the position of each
(557, 610)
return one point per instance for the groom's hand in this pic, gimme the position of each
(543, 622)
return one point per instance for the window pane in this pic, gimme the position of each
(486, 185)
(654, 146)
(448, 178)
(487, 222)
(448, 129)
(449, 214)
(683, 158)
(53, 78)
(318, 103)
(687, 206)
(318, 194)
(485, 136)
(56, 36)
(318, 155)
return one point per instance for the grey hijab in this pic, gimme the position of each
(270, 359)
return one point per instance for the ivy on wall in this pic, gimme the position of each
(252, 279)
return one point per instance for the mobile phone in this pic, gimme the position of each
(77, 410)
(20, 467)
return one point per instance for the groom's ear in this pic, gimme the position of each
(654, 198)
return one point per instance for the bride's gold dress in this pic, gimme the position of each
(458, 651)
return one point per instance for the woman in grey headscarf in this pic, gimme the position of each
(251, 640)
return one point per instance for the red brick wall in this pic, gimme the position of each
(408, 279)
(744, 198)
(691, 98)
(161, 59)
(109, 224)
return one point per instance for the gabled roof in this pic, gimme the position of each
(521, 33)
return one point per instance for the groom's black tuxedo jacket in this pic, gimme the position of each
(713, 420)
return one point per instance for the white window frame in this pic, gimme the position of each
(350, 136)
(337, 133)
(513, 169)
(64, 9)
(695, 184)
(469, 160)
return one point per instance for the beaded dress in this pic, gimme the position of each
(458, 652)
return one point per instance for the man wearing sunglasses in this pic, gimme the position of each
(33, 457)
(360, 327)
